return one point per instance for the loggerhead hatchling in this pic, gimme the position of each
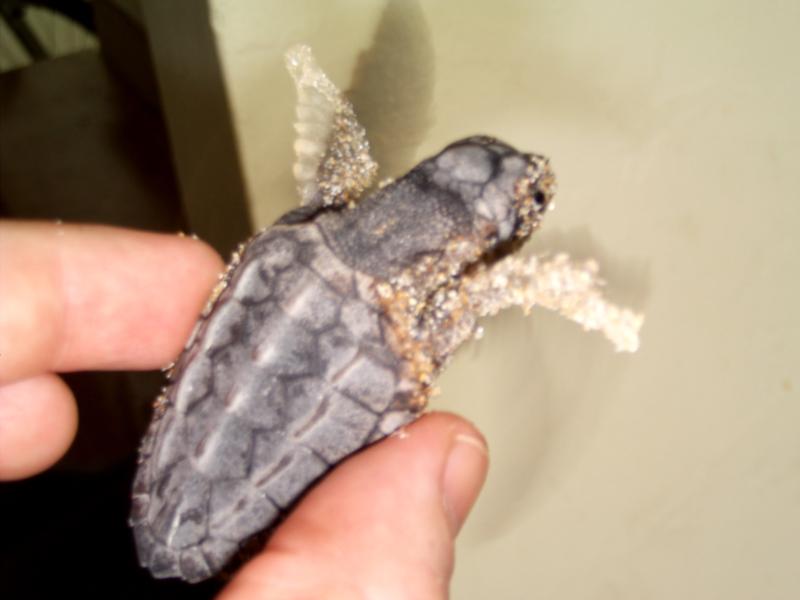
(328, 328)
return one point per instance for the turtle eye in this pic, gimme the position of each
(540, 195)
(539, 200)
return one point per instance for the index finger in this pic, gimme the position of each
(76, 297)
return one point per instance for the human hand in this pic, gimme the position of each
(380, 525)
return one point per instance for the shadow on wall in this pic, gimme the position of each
(392, 87)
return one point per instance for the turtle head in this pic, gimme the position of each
(476, 197)
(506, 191)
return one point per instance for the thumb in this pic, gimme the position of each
(381, 525)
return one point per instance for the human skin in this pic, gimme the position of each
(81, 297)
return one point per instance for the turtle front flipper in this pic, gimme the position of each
(333, 164)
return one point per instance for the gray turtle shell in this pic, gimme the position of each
(298, 364)
(290, 373)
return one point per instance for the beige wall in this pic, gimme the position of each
(674, 130)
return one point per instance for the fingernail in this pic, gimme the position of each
(464, 474)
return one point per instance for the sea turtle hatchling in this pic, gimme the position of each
(328, 328)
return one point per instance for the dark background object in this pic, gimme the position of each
(82, 139)
(14, 13)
